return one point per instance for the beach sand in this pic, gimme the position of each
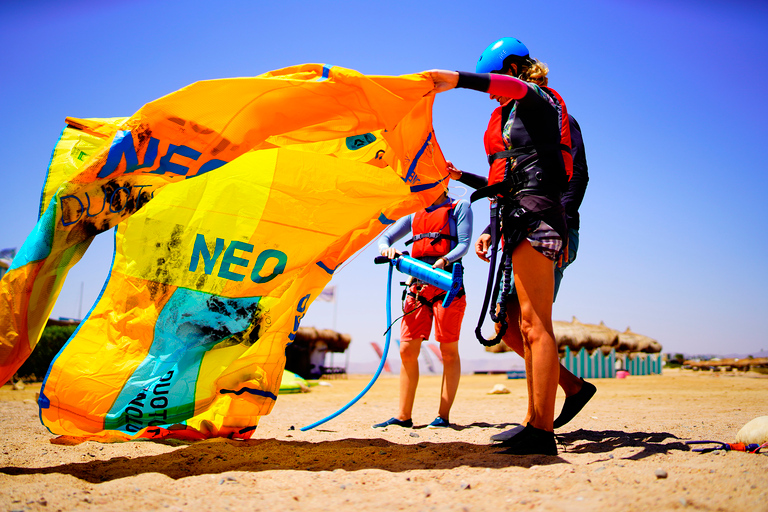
(610, 455)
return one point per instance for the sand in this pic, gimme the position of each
(613, 456)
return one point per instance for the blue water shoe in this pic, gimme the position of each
(395, 423)
(439, 423)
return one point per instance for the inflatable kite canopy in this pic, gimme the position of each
(235, 201)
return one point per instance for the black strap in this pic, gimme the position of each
(529, 150)
(437, 237)
(489, 191)
(517, 177)
(511, 153)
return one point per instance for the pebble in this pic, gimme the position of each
(660, 473)
(413, 434)
(427, 492)
(465, 486)
(683, 502)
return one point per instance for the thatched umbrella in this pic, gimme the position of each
(573, 335)
(306, 334)
(335, 341)
(607, 337)
(633, 342)
(576, 335)
(310, 342)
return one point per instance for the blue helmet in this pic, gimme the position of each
(494, 56)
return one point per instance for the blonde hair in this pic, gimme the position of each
(535, 72)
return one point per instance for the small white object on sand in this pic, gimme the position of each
(499, 389)
(754, 432)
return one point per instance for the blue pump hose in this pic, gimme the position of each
(378, 370)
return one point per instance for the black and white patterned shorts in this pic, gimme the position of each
(546, 240)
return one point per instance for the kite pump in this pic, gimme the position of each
(450, 282)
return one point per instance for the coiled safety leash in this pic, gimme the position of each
(505, 274)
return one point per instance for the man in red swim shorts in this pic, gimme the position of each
(441, 236)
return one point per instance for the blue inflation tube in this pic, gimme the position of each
(450, 282)
(378, 370)
(423, 272)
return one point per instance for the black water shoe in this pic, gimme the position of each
(531, 441)
(507, 434)
(575, 403)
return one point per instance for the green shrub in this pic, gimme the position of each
(36, 366)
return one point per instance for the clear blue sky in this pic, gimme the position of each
(670, 97)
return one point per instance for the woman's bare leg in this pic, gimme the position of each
(535, 283)
(570, 383)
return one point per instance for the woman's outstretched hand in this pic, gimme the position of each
(444, 80)
(453, 172)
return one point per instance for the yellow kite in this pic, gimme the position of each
(235, 200)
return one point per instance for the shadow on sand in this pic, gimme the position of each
(604, 441)
(220, 456)
(216, 456)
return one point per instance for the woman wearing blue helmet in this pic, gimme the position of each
(577, 391)
(527, 176)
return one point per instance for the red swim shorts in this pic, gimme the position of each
(418, 325)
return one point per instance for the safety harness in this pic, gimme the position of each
(423, 301)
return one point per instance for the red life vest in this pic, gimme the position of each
(494, 143)
(432, 232)
(494, 140)
(565, 132)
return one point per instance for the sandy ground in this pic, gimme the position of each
(609, 455)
